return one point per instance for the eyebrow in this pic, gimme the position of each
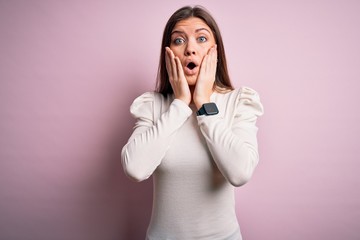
(197, 30)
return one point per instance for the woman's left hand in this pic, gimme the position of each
(205, 82)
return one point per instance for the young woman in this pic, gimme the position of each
(195, 135)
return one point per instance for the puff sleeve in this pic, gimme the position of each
(234, 146)
(152, 134)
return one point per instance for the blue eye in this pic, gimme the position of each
(202, 39)
(179, 41)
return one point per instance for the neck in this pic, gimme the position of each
(192, 88)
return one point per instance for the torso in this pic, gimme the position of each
(192, 200)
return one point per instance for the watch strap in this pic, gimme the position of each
(201, 111)
(208, 109)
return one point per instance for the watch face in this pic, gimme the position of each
(211, 108)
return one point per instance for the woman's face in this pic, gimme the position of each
(191, 40)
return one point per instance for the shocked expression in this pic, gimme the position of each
(191, 40)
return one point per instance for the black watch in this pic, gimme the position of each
(208, 109)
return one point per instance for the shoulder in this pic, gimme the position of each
(146, 98)
(146, 104)
(248, 101)
(248, 95)
(241, 100)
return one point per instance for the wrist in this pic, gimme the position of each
(201, 97)
(200, 102)
(208, 109)
(184, 98)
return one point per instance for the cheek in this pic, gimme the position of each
(204, 51)
(206, 48)
(176, 50)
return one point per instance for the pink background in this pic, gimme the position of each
(69, 72)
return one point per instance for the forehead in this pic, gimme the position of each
(191, 25)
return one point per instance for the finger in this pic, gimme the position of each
(180, 71)
(168, 63)
(173, 64)
(210, 60)
(209, 63)
(214, 58)
(214, 61)
(206, 64)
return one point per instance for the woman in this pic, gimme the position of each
(195, 135)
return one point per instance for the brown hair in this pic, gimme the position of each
(222, 81)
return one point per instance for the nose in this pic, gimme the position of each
(190, 49)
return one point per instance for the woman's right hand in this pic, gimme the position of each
(176, 77)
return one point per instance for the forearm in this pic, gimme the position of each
(148, 144)
(234, 149)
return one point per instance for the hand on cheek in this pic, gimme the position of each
(176, 77)
(206, 78)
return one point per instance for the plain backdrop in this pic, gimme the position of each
(69, 71)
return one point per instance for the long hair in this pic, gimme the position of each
(222, 80)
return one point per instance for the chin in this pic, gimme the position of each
(191, 80)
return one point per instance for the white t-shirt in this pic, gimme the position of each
(195, 161)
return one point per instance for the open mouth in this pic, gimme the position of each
(191, 65)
